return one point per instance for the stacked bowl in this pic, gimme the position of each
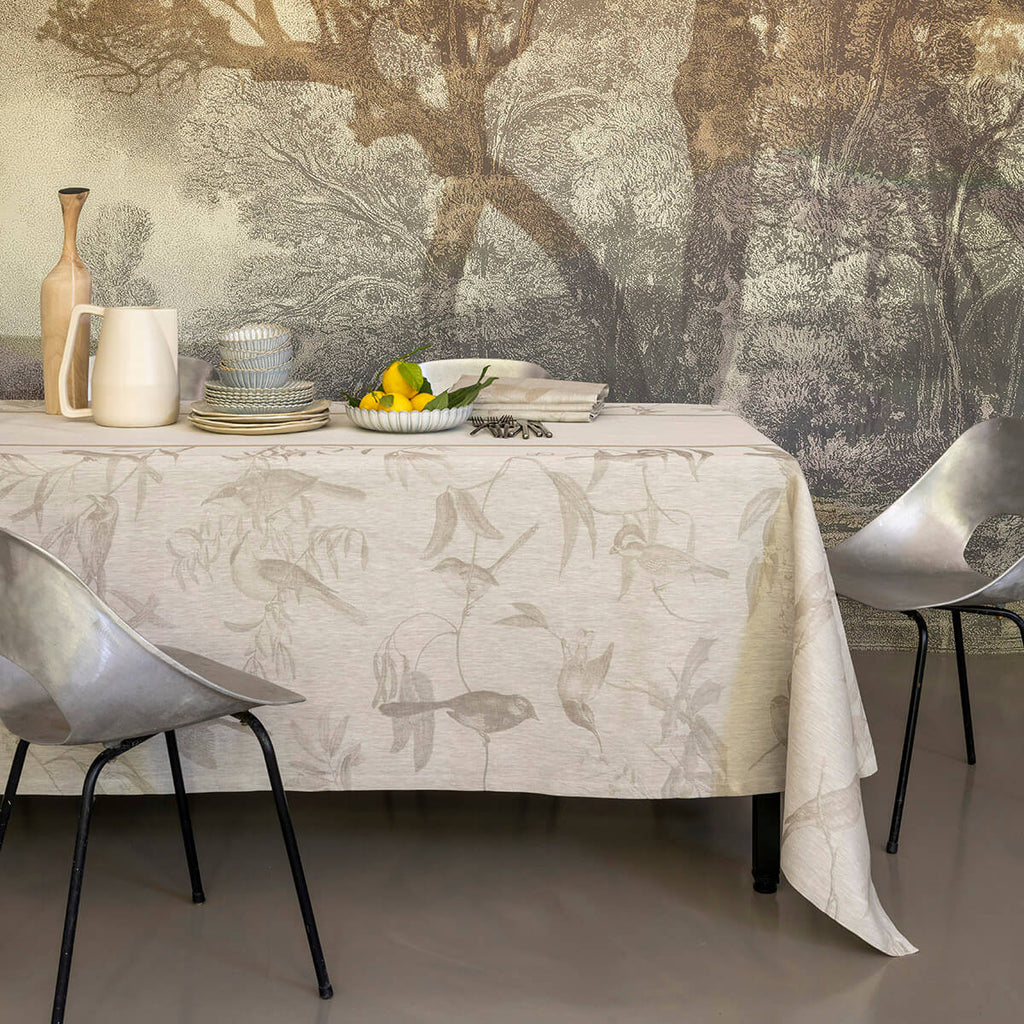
(255, 356)
(255, 394)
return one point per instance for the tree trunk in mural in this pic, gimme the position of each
(458, 214)
(127, 43)
(715, 93)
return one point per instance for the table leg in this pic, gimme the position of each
(767, 844)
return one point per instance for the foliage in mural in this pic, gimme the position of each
(855, 249)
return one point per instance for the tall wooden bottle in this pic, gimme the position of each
(66, 286)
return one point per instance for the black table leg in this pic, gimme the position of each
(767, 845)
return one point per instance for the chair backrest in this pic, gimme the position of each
(979, 476)
(192, 377)
(69, 664)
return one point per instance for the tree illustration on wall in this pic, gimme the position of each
(880, 135)
(335, 43)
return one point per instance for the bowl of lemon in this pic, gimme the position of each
(405, 403)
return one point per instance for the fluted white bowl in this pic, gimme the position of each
(239, 377)
(257, 336)
(425, 422)
(443, 373)
(247, 359)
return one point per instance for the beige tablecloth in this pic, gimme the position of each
(637, 607)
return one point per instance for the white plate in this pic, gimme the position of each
(213, 412)
(403, 422)
(292, 397)
(443, 373)
(219, 427)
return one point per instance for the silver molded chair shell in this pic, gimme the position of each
(73, 672)
(912, 554)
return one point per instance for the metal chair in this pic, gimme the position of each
(71, 672)
(911, 557)
(192, 377)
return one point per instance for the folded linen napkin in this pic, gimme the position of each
(539, 398)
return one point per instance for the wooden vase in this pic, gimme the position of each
(69, 284)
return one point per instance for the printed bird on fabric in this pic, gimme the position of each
(483, 711)
(581, 677)
(265, 579)
(660, 562)
(270, 490)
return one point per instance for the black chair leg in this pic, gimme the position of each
(965, 696)
(13, 778)
(908, 739)
(67, 946)
(301, 890)
(198, 896)
(767, 840)
(1002, 613)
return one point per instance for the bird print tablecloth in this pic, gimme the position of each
(637, 607)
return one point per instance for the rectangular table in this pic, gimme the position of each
(637, 607)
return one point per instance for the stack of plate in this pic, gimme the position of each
(207, 416)
(291, 397)
(254, 394)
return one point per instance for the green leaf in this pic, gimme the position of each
(425, 385)
(351, 399)
(460, 396)
(386, 401)
(411, 374)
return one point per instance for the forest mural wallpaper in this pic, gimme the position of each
(811, 211)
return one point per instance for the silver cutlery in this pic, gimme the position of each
(507, 427)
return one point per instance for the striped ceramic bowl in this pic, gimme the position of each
(405, 422)
(261, 337)
(252, 359)
(242, 377)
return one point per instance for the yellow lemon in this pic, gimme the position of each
(371, 400)
(395, 384)
(420, 400)
(399, 403)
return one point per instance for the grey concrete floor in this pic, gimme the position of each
(461, 908)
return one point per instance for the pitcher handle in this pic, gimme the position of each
(66, 409)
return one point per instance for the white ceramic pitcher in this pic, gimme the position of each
(135, 379)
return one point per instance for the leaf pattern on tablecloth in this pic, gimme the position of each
(445, 521)
(576, 509)
(333, 759)
(79, 522)
(405, 465)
